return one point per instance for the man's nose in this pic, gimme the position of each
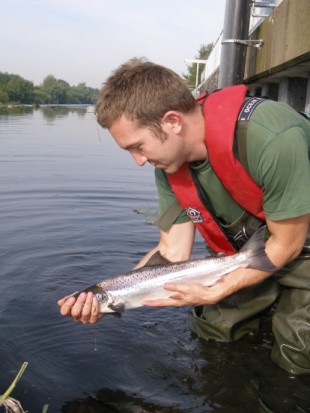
(138, 158)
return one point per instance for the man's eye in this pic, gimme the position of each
(137, 148)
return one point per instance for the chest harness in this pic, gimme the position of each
(222, 110)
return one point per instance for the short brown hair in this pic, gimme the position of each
(144, 92)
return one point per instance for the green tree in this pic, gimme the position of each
(3, 97)
(203, 54)
(55, 90)
(83, 94)
(40, 96)
(17, 89)
(4, 78)
(79, 93)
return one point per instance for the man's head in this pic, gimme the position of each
(143, 92)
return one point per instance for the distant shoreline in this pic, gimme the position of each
(45, 105)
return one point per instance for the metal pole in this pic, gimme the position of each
(198, 62)
(197, 72)
(236, 26)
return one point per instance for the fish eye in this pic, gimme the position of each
(101, 297)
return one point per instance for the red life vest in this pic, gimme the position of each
(221, 110)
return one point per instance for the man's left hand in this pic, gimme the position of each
(191, 294)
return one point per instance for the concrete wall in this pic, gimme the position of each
(280, 69)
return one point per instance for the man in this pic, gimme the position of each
(233, 163)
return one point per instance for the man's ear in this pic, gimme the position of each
(172, 120)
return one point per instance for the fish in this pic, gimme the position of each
(127, 291)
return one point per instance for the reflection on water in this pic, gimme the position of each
(48, 112)
(74, 209)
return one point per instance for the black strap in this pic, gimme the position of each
(245, 114)
(204, 198)
(248, 108)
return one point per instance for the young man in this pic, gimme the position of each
(233, 163)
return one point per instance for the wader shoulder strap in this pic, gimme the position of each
(241, 133)
(245, 114)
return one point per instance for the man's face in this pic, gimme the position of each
(144, 146)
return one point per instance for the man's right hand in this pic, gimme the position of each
(84, 309)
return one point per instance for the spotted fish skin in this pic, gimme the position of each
(127, 291)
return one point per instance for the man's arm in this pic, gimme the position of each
(175, 245)
(285, 243)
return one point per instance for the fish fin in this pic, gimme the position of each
(117, 307)
(256, 244)
(156, 259)
(95, 288)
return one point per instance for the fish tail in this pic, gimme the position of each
(256, 245)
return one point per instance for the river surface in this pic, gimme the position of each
(75, 209)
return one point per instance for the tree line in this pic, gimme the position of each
(14, 89)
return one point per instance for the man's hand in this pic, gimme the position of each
(84, 309)
(285, 243)
(191, 294)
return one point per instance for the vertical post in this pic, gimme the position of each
(197, 73)
(198, 62)
(307, 104)
(236, 26)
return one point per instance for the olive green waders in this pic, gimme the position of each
(239, 314)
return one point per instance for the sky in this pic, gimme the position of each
(84, 40)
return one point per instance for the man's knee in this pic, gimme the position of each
(225, 330)
(237, 315)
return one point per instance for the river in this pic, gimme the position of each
(75, 209)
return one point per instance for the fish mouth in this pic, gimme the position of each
(107, 304)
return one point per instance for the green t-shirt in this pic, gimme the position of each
(278, 153)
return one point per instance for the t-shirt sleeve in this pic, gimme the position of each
(283, 171)
(166, 199)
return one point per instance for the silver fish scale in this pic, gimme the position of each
(182, 271)
(128, 290)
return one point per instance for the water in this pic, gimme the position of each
(74, 209)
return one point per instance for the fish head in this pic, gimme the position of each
(104, 299)
(106, 302)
